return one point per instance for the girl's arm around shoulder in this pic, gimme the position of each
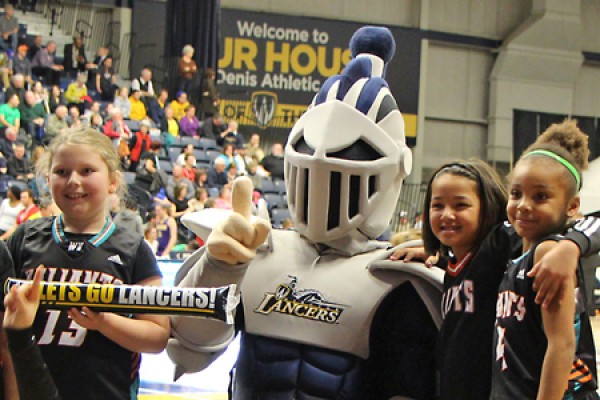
(143, 333)
(558, 327)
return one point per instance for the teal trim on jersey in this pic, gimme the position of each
(58, 232)
(135, 388)
(518, 259)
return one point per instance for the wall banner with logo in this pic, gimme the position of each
(272, 65)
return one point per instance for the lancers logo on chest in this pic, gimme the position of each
(305, 303)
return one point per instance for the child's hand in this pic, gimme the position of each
(21, 303)
(553, 269)
(409, 253)
(87, 318)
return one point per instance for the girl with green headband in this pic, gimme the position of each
(543, 353)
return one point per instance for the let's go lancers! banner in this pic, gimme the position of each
(272, 66)
(215, 303)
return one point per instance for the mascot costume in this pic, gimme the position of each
(322, 313)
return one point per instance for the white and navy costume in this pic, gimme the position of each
(324, 314)
(520, 342)
(84, 364)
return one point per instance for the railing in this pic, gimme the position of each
(409, 204)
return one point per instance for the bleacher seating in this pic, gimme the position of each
(207, 144)
(273, 200)
(278, 215)
(174, 152)
(143, 198)
(166, 166)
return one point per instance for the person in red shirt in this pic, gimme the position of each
(31, 210)
(189, 169)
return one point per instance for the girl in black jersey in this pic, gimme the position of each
(539, 353)
(464, 207)
(91, 355)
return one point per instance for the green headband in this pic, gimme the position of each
(561, 160)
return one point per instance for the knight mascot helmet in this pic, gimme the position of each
(346, 157)
(323, 313)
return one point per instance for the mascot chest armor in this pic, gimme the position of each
(323, 314)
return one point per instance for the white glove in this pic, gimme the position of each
(235, 240)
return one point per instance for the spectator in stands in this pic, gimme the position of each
(18, 165)
(242, 160)
(56, 98)
(3, 169)
(138, 108)
(10, 114)
(127, 216)
(189, 124)
(224, 199)
(273, 163)
(189, 169)
(187, 69)
(5, 69)
(231, 135)
(179, 105)
(17, 85)
(21, 64)
(139, 144)
(33, 117)
(116, 129)
(44, 65)
(172, 123)
(75, 61)
(9, 29)
(188, 149)
(180, 203)
(144, 85)
(7, 142)
(177, 178)
(166, 229)
(227, 155)
(30, 209)
(212, 127)
(41, 94)
(232, 172)
(197, 202)
(157, 110)
(122, 101)
(74, 114)
(77, 94)
(145, 175)
(35, 47)
(150, 237)
(256, 174)
(216, 177)
(101, 56)
(97, 123)
(95, 108)
(10, 207)
(209, 100)
(106, 80)
(253, 149)
(57, 124)
(200, 179)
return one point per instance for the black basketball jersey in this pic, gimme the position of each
(468, 306)
(83, 363)
(520, 343)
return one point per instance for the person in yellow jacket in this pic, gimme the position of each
(138, 108)
(179, 105)
(77, 93)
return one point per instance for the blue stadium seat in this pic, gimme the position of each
(278, 215)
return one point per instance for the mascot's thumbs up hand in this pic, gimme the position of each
(235, 240)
